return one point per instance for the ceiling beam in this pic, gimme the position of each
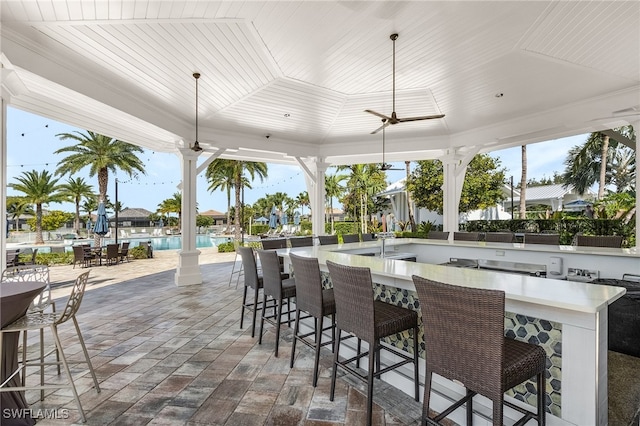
(619, 137)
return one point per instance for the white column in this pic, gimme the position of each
(3, 181)
(636, 127)
(314, 178)
(188, 270)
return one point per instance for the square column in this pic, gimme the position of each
(188, 270)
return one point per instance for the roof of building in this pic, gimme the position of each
(212, 212)
(134, 212)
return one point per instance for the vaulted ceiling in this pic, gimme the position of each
(504, 73)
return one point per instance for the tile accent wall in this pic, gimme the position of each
(547, 334)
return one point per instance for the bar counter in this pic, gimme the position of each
(567, 318)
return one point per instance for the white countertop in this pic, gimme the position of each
(568, 295)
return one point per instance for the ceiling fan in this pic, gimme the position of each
(394, 117)
(385, 166)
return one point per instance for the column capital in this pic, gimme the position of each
(188, 153)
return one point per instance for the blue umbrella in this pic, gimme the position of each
(285, 219)
(89, 224)
(160, 223)
(102, 223)
(273, 218)
(296, 218)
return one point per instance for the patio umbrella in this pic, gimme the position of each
(101, 226)
(296, 218)
(89, 224)
(285, 219)
(273, 218)
(160, 223)
(262, 220)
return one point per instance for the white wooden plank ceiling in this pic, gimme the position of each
(304, 71)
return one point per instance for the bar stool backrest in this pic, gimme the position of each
(308, 284)
(327, 239)
(271, 278)
(353, 292)
(30, 273)
(549, 239)
(466, 236)
(249, 266)
(438, 235)
(274, 243)
(75, 298)
(301, 241)
(464, 333)
(350, 238)
(614, 241)
(367, 236)
(500, 237)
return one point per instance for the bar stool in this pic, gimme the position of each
(438, 235)
(317, 302)
(278, 289)
(466, 236)
(253, 281)
(40, 320)
(327, 239)
(613, 241)
(350, 238)
(500, 237)
(367, 319)
(464, 338)
(549, 239)
(301, 241)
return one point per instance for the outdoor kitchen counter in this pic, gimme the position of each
(579, 310)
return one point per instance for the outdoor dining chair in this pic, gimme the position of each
(113, 254)
(327, 239)
(350, 238)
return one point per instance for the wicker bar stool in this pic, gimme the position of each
(317, 302)
(301, 241)
(466, 236)
(438, 235)
(500, 237)
(464, 337)
(253, 281)
(613, 241)
(363, 317)
(327, 239)
(278, 289)
(549, 239)
(350, 238)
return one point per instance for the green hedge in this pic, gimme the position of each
(567, 227)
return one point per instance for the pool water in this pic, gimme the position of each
(175, 242)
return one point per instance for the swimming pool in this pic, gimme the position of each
(175, 242)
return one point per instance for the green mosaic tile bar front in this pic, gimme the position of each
(547, 334)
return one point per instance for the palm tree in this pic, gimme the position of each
(16, 207)
(74, 190)
(101, 154)
(333, 189)
(412, 219)
(523, 184)
(220, 175)
(302, 200)
(254, 169)
(591, 162)
(39, 188)
(172, 205)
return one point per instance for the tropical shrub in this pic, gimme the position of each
(138, 252)
(226, 247)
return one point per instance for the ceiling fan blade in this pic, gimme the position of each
(386, 123)
(377, 114)
(386, 166)
(424, 117)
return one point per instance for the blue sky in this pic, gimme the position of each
(32, 141)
